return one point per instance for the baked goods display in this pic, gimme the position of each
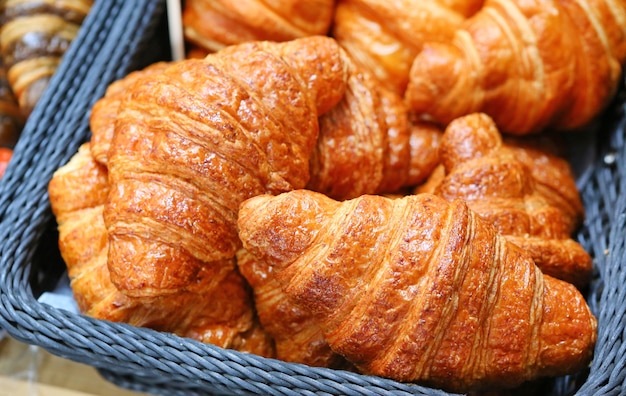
(284, 195)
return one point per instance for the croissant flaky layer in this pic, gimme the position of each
(368, 143)
(104, 111)
(195, 139)
(528, 64)
(385, 36)
(296, 335)
(419, 289)
(218, 310)
(215, 24)
(498, 183)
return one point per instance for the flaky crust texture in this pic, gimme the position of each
(215, 24)
(296, 335)
(418, 289)
(385, 36)
(193, 141)
(368, 143)
(560, 61)
(497, 183)
(104, 112)
(218, 310)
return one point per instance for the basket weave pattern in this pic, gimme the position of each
(118, 37)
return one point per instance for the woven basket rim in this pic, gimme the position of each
(123, 352)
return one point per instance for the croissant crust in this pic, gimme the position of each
(419, 289)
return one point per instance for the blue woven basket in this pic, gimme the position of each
(120, 36)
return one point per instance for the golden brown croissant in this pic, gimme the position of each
(368, 145)
(552, 175)
(215, 24)
(193, 141)
(34, 36)
(297, 336)
(528, 64)
(502, 189)
(419, 289)
(218, 310)
(385, 36)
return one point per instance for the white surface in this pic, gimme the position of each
(175, 24)
(61, 297)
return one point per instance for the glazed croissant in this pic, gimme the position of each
(34, 36)
(419, 289)
(503, 190)
(367, 142)
(215, 24)
(385, 36)
(559, 61)
(193, 141)
(369, 145)
(218, 310)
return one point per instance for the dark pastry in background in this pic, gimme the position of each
(11, 119)
(35, 35)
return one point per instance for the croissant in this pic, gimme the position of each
(385, 36)
(369, 145)
(559, 61)
(34, 36)
(218, 310)
(552, 175)
(193, 141)
(502, 189)
(215, 24)
(11, 118)
(419, 289)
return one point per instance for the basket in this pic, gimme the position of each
(120, 36)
